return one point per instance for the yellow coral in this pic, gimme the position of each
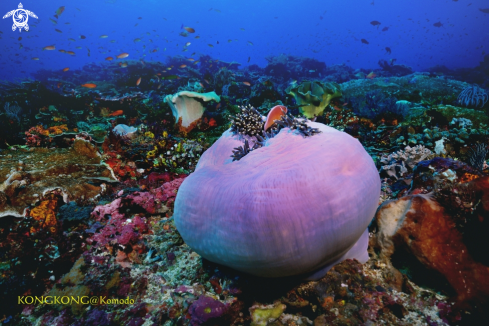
(149, 134)
(151, 154)
(162, 143)
(57, 130)
(45, 213)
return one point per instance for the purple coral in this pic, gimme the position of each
(205, 308)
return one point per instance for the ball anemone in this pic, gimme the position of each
(295, 206)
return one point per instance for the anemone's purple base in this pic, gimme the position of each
(296, 206)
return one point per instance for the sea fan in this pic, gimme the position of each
(13, 111)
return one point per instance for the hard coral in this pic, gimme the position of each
(401, 162)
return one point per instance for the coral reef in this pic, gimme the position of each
(96, 183)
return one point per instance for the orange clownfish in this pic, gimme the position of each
(276, 113)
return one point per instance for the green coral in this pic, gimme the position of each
(263, 315)
(313, 97)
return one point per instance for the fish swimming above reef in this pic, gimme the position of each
(59, 11)
(439, 24)
(122, 55)
(364, 41)
(375, 23)
(486, 11)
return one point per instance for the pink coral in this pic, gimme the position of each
(168, 191)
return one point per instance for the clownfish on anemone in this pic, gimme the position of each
(276, 113)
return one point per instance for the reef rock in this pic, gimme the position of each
(28, 175)
(296, 206)
(447, 234)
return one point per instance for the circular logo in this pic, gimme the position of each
(20, 18)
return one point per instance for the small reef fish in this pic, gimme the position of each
(246, 83)
(183, 66)
(53, 21)
(364, 41)
(385, 29)
(116, 113)
(71, 40)
(82, 37)
(486, 11)
(276, 113)
(190, 59)
(123, 64)
(49, 48)
(20, 38)
(250, 43)
(189, 29)
(62, 51)
(122, 55)
(210, 45)
(70, 52)
(371, 75)
(439, 24)
(388, 50)
(66, 69)
(137, 40)
(89, 85)
(35, 58)
(138, 81)
(57, 30)
(109, 58)
(187, 44)
(104, 36)
(59, 11)
(375, 23)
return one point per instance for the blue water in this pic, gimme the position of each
(420, 33)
